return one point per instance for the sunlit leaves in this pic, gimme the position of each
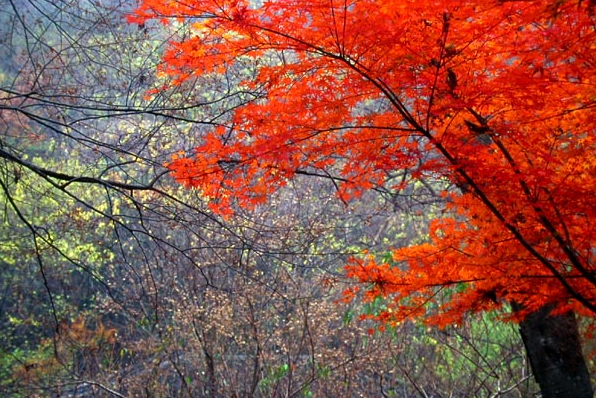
(493, 97)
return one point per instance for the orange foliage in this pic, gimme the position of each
(495, 96)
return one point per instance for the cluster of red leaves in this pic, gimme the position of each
(496, 96)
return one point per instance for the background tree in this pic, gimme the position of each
(451, 91)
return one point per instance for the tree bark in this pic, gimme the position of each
(554, 348)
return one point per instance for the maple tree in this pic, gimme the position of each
(495, 98)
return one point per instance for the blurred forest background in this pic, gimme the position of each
(117, 282)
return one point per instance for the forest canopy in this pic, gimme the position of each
(283, 199)
(452, 91)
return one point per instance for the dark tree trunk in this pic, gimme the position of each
(554, 349)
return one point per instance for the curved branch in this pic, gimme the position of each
(80, 179)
